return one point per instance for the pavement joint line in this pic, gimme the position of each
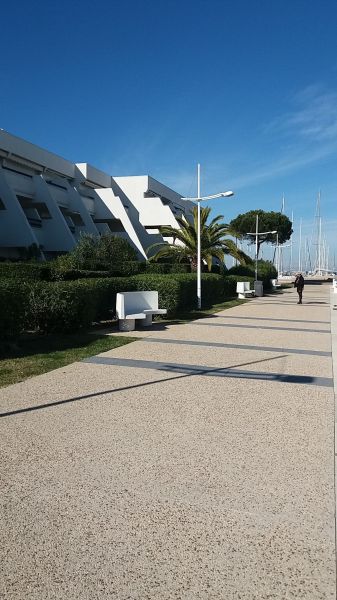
(271, 319)
(261, 327)
(189, 369)
(238, 346)
(310, 304)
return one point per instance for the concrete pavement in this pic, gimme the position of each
(196, 462)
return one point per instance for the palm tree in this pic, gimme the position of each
(214, 243)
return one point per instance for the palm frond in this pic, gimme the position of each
(214, 240)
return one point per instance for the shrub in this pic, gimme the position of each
(12, 302)
(165, 268)
(178, 291)
(265, 268)
(242, 270)
(230, 282)
(67, 274)
(219, 269)
(106, 252)
(61, 306)
(67, 306)
(170, 289)
(25, 271)
(106, 290)
(73, 274)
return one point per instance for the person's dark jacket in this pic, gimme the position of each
(299, 282)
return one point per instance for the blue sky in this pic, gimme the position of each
(246, 88)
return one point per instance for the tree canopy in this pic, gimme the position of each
(268, 221)
(214, 243)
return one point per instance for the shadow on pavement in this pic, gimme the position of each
(284, 378)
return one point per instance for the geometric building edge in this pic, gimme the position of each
(50, 202)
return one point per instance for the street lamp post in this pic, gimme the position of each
(257, 234)
(198, 200)
(277, 253)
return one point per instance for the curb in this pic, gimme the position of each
(333, 305)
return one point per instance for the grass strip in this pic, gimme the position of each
(34, 354)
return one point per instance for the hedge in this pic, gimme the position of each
(25, 271)
(13, 302)
(53, 270)
(67, 306)
(164, 268)
(266, 272)
(230, 282)
(61, 307)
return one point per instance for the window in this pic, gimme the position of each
(25, 201)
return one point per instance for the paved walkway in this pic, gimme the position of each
(194, 463)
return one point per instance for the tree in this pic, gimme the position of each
(268, 221)
(214, 243)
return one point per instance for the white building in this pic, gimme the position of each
(49, 202)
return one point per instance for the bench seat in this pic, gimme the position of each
(132, 306)
(152, 311)
(243, 289)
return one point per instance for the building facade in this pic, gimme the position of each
(48, 202)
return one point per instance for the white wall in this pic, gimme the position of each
(34, 155)
(152, 211)
(116, 208)
(113, 201)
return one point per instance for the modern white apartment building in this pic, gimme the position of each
(48, 201)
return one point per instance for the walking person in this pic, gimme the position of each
(299, 284)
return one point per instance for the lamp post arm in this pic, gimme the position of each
(212, 197)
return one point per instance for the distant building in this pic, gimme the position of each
(48, 202)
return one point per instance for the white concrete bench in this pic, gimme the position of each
(243, 289)
(131, 306)
(275, 284)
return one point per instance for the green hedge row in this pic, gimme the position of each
(25, 271)
(13, 299)
(67, 306)
(265, 269)
(53, 272)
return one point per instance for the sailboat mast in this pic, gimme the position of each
(319, 234)
(318, 218)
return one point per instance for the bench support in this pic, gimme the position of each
(243, 295)
(147, 322)
(127, 324)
